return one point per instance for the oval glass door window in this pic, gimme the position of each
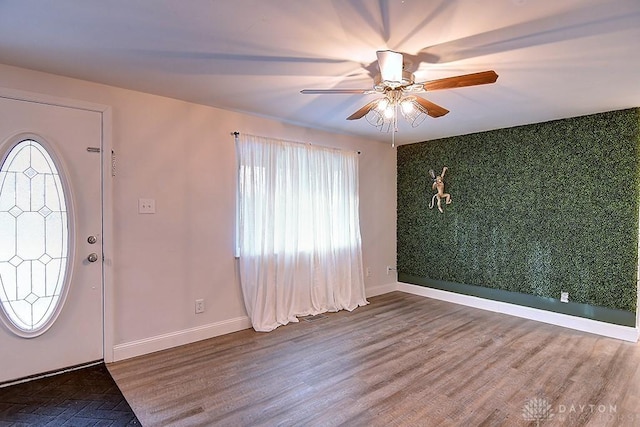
(34, 248)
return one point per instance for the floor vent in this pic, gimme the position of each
(314, 318)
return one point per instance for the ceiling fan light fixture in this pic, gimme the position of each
(382, 116)
(407, 105)
(396, 86)
(383, 103)
(414, 114)
(374, 118)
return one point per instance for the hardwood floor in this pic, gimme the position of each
(403, 360)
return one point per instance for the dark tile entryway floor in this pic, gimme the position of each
(85, 397)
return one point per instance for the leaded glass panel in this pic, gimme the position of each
(35, 232)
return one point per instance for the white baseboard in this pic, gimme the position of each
(174, 339)
(187, 336)
(381, 289)
(625, 333)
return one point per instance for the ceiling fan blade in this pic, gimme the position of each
(482, 78)
(363, 111)
(390, 64)
(433, 110)
(335, 91)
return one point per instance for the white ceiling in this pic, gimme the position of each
(555, 59)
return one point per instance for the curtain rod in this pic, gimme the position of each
(236, 134)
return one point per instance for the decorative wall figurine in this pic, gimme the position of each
(438, 184)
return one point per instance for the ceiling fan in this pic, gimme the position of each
(398, 87)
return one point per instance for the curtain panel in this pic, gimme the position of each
(298, 231)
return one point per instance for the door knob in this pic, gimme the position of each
(92, 257)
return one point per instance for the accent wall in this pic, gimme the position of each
(536, 210)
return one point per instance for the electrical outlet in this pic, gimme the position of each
(146, 206)
(199, 306)
(564, 296)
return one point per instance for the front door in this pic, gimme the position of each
(51, 272)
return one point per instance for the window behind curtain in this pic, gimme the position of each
(298, 228)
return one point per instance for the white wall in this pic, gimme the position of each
(182, 155)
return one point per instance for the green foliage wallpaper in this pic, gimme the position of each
(536, 209)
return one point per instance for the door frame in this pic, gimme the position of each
(107, 173)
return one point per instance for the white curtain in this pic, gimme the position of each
(298, 231)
